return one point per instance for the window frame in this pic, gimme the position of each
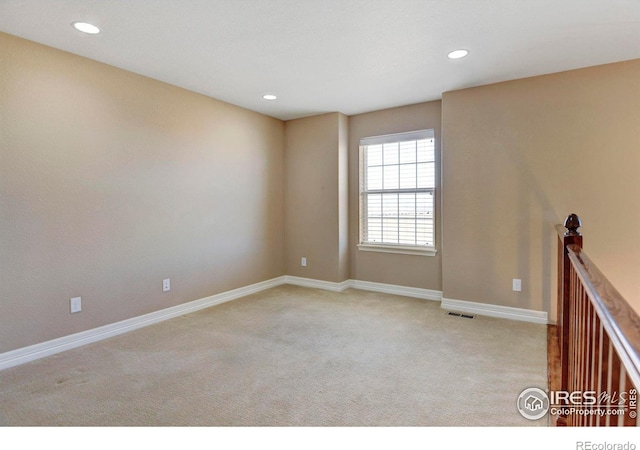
(426, 250)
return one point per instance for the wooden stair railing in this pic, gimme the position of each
(599, 342)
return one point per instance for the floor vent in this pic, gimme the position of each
(466, 316)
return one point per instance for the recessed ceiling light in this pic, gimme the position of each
(269, 97)
(457, 54)
(86, 27)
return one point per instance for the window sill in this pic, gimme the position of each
(421, 251)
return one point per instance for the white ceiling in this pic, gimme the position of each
(319, 56)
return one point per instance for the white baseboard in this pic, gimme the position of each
(426, 294)
(384, 288)
(48, 348)
(503, 312)
(317, 284)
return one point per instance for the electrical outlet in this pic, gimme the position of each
(303, 262)
(166, 285)
(517, 285)
(75, 305)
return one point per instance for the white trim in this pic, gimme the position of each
(426, 294)
(399, 137)
(317, 284)
(503, 312)
(388, 248)
(48, 348)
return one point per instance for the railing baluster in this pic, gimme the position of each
(598, 335)
(603, 345)
(594, 356)
(583, 346)
(610, 377)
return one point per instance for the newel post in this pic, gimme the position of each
(568, 235)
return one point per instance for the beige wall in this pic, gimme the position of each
(344, 269)
(315, 200)
(111, 182)
(517, 158)
(404, 270)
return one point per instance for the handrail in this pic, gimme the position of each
(598, 333)
(620, 321)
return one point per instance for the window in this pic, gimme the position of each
(397, 189)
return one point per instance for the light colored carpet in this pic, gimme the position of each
(290, 356)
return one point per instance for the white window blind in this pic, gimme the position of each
(397, 188)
